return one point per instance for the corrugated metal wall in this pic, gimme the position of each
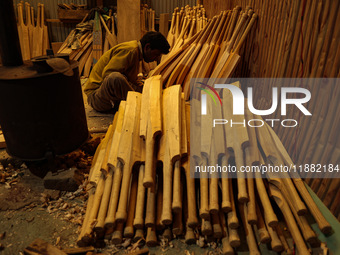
(168, 6)
(59, 31)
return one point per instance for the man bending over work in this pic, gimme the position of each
(116, 71)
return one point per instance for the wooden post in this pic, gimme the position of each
(164, 24)
(128, 14)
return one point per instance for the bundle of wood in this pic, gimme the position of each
(212, 52)
(72, 6)
(33, 35)
(92, 43)
(185, 23)
(141, 185)
(300, 40)
(147, 19)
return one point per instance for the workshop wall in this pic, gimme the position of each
(58, 31)
(298, 39)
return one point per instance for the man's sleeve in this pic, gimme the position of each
(120, 62)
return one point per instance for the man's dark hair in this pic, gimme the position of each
(156, 40)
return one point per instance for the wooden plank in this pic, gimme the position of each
(81, 51)
(2, 141)
(29, 25)
(164, 24)
(128, 14)
(112, 39)
(23, 35)
(38, 34)
(97, 39)
(46, 43)
(42, 247)
(88, 65)
(83, 60)
(81, 250)
(129, 148)
(64, 14)
(56, 46)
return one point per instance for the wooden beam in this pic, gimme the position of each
(128, 14)
(164, 24)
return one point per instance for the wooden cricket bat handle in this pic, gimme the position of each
(121, 214)
(177, 197)
(251, 205)
(159, 202)
(251, 241)
(150, 207)
(292, 226)
(138, 222)
(151, 238)
(94, 209)
(99, 228)
(292, 193)
(217, 229)
(206, 228)
(117, 236)
(204, 194)
(139, 235)
(226, 206)
(261, 226)
(148, 180)
(167, 234)
(90, 201)
(111, 213)
(231, 216)
(167, 193)
(246, 32)
(129, 230)
(213, 195)
(190, 236)
(242, 195)
(234, 238)
(226, 247)
(307, 232)
(192, 220)
(269, 214)
(177, 225)
(275, 240)
(323, 224)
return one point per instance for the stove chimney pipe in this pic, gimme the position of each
(9, 40)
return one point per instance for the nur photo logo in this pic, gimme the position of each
(281, 97)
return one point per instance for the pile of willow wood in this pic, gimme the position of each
(33, 34)
(147, 19)
(91, 44)
(185, 23)
(212, 52)
(140, 184)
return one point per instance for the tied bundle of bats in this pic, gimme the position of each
(133, 168)
(185, 23)
(212, 52)
(33, 34)
(147, 19)
(91, 44)
(140, 184)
